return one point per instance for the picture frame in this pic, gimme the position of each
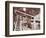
(18, 18)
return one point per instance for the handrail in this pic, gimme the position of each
(24, 13)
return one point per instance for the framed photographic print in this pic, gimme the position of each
(24, 18)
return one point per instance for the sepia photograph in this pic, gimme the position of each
(24, 18)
